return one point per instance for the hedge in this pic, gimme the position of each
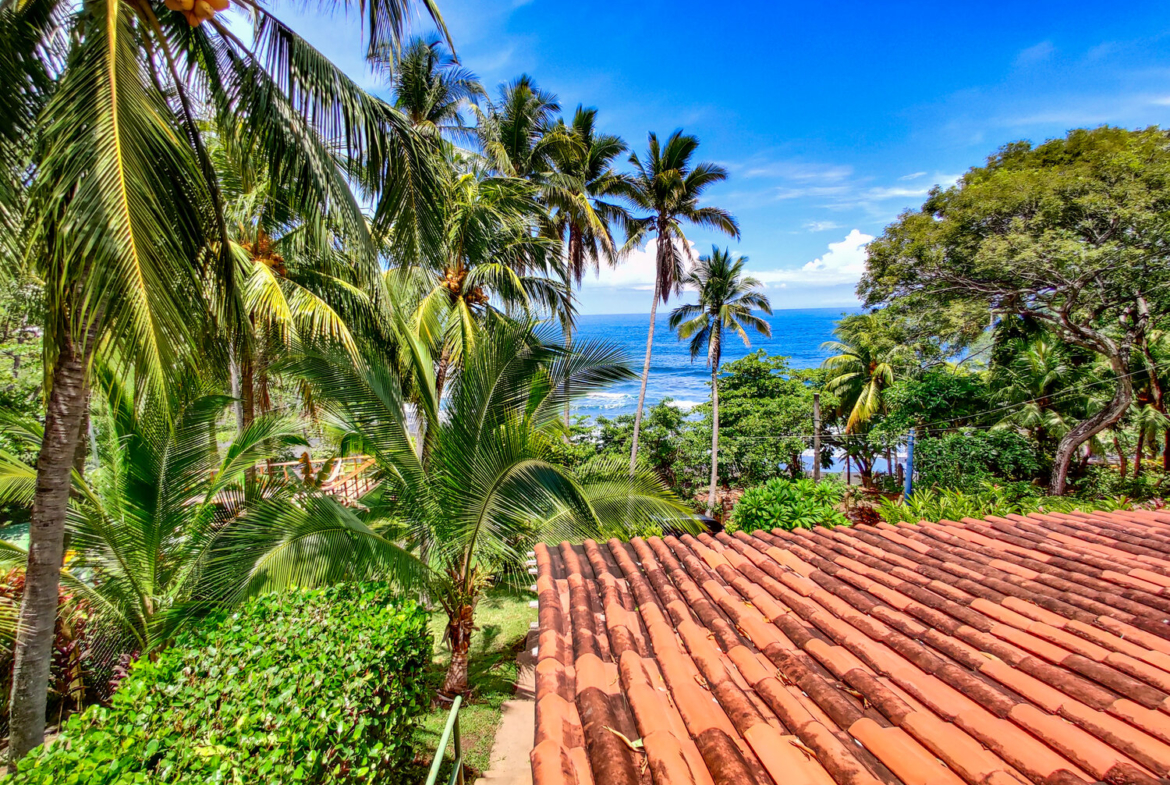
(788, 504)
(316, 686)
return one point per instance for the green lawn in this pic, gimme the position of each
(502, 618)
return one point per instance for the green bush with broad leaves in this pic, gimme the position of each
(788, 504)
(971, 459)
(936, 504)
(318, 686)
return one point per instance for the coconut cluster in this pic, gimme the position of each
(262, 251)
(197, 11)
(453, 282)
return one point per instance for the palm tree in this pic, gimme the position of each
(578, 190)
(494, 261)
(667, 186)
(487, 489)
(165, 530)
(515, 131)
(1034, 384)
(867, 354)
(726, 300)
(123, 217)
(432, 89)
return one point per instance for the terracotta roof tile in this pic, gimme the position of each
(1003, 651)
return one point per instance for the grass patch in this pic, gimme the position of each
(502, 618)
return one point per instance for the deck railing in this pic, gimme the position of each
(451, 728)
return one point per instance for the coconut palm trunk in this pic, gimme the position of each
(64, 414)
(645, 378)
(460, 626)
(716, 351)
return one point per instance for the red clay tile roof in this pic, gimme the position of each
(999, 651)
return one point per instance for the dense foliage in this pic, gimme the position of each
(307, 686)
(966, 460)
(788, 504)
(936, 504)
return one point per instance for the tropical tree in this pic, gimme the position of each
(486, 490)
(122, 217)
(431, 88)
(727, 299)
(666, 187)
(515, 130)
(867, 354)
(494, 261)
(580, 191)
(1069, 233)
(167, 527)
(1034, 385)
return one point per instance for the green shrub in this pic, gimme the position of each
(969, 460)
(1105, 481)
(935, 504)
(788, 504)
(306, 686)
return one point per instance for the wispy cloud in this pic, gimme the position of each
(1037, 53)
(842, 263)
(821, 226)
(912, 176)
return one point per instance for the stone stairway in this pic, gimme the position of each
(509, 759)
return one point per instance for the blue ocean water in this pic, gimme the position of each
(797, 334)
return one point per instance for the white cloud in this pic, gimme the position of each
(635, 272)
(843, 263)
(821, 226)
(912, 176)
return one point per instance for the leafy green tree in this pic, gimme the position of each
(766, 416)
(486, 489)
(938, 398)
(1069, 233)
(666, 187)
(727, 300)
(121, 215)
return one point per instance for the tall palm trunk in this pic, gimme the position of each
(68, 401)
(716, 351)
(645, 377)
(568, 347)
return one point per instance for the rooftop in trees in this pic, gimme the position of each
(998, 651)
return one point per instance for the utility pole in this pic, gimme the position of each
(816, 437)
(908, 488)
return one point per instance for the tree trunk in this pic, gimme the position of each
(1122, 463)
(715, 353)
(568, 348)
(68, 400)
(848, 470)
(1166, 451)
(645, 376)
(247, 389)
(1086, 429)
(1137, 454)
(238, 404)
(460, 625)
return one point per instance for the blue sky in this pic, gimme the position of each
(831, 117)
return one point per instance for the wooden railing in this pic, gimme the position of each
(348, 478)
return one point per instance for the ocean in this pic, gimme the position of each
(796, 334)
